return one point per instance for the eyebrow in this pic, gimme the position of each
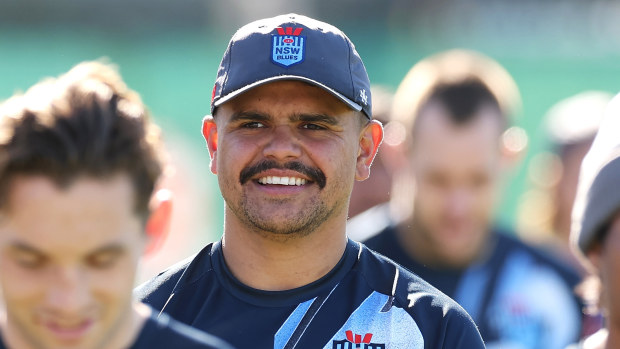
(249, 115)
(328, 119)
(256, 116)
(23, 247)
(113, 247)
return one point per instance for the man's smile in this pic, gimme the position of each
(282, 180)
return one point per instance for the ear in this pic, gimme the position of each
(370, 139)
(513, 145)
(158, 224)
(209, 132)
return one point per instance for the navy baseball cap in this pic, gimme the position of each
(293, 47)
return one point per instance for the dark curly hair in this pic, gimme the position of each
(84, 123)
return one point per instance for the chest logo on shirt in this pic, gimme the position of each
(355, 341)
(288, 47)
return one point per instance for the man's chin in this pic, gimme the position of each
(457, 251)
(459, 254)
(280, 230)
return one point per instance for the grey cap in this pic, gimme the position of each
(576, 118)
(293, 47)
(598, 192)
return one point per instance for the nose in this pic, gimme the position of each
(68, 291)
(459, 203)
(283, 144)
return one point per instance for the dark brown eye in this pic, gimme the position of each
(30, 260)
(313, 127)
(102, 260)
(253, 124)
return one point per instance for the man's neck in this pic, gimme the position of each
(270, 262)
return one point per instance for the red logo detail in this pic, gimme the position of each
(288, 41)
(289, 31)
(213, 93)
(358, 338)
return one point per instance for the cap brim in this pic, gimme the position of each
(244, 89)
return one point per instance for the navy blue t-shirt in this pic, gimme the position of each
(162, 332)
(365, 301)
(518, 296)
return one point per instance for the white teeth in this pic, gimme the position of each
(282, 180)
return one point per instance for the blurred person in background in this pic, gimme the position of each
(80, 161)
(595, 230)
(290, 131)
(456, 108)
(545, 210)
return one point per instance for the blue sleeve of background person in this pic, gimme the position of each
(532, 303)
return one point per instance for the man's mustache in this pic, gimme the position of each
(314, 174)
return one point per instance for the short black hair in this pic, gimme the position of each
(463, 99)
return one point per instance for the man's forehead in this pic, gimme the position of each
(287, 88)
(435, 116)
(301, 97)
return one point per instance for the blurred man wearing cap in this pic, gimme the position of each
(79, 164)
(595, 229)
(456, 107)
(290, 131)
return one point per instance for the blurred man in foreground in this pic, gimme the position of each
(79, 163)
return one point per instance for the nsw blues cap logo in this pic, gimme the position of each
(288, 46)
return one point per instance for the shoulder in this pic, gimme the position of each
(164, 332)
(534, 294)
(510, 245)
(156, 290)
(439, 318)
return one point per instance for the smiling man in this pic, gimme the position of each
(79, 161)
(288, 136)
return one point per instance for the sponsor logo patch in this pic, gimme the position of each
(355, 341)
(288, 47)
